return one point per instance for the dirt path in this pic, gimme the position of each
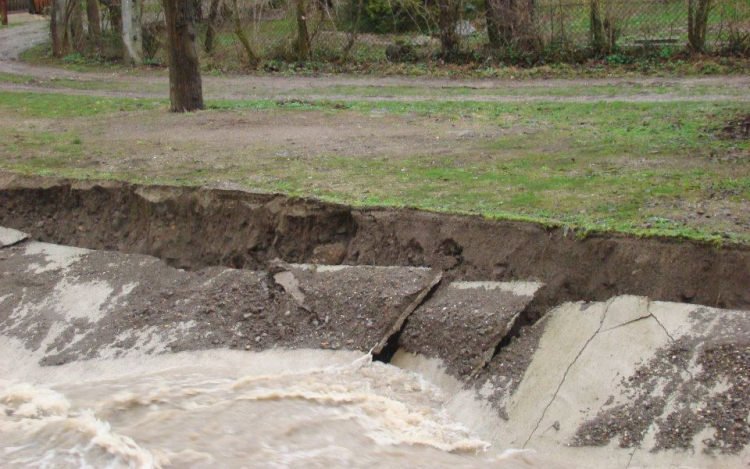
(14, 40)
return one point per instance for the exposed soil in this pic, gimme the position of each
(738, 129)
(222, 140)
(194, 228)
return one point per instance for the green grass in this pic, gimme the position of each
(638, 168)
(67, 106)
(11, 78)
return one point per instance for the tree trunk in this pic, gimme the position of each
(115, 15)
(76, 26)
(448, 15)
(4, 11)
(596, 27)
(489, 16)
(698, 11)
(132, 32)
(58, 28)
(185, 89)
(198, 11)
(213, 12)
(252, 58)
(95, 23)
(302, 44)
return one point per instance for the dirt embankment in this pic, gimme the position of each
(197, 227)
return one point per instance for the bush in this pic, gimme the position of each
(389, 16)
(401, 52)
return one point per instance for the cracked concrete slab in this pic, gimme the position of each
(364, 301)
(630, 381)
(9, 237)
(463, 323)
(616, 384)
(67, 304)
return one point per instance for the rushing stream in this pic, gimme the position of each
(225, 409)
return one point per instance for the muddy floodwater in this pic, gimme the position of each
(226, 409)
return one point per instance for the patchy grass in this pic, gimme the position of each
(642, 168)
(18, 79)
(594, 90)
(467, 92)
(60, 106)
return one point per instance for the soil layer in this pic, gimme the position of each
(197, 227)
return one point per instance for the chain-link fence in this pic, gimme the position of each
(236, 33)
(18, 5)
(642, 22)
(413, 30)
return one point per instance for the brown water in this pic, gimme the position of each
(225, 409)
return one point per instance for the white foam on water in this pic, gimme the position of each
(230, 409)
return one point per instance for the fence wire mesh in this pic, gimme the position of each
(235, 32)
(408, 30)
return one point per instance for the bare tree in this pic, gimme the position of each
(252, 57)
(596, 27)
(76, 26)
(94, 20)
(448, 16)
(213, 12)
(185, 88)
(59, 28)
(698, 11)
(511, 24)
(132, 31)
(302, 42)
(115, 14)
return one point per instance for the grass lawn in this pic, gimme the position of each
(644, 168)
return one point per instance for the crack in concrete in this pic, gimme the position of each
(630, 459)
(390, 339)
(565, 375)
(673, 342)
(627, 323)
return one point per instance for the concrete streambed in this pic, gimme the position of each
(626, 382)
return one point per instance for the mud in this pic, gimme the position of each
(192, 228)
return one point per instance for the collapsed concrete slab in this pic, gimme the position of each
(9, 237)
(463, 323)
(358, 301)
(69, 304)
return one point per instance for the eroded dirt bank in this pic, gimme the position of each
(197, 227)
